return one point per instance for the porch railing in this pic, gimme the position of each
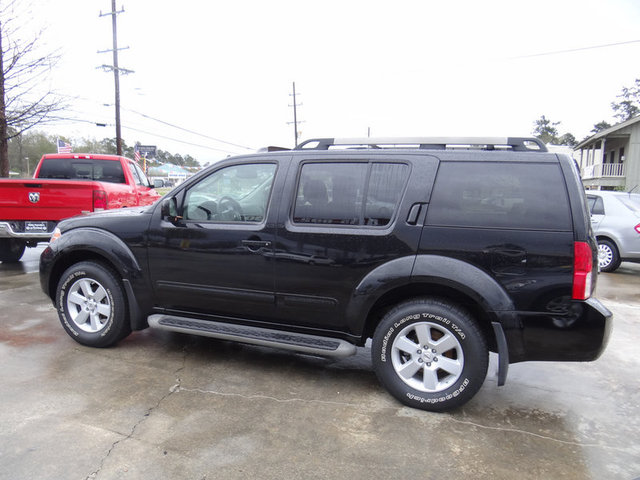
(600, 170)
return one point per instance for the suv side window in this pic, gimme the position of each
(238, 193)
(349, 193)
(500, 195)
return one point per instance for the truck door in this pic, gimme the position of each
(142, 194)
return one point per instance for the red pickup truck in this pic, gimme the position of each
(62, 186)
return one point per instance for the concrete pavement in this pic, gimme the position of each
(163, 405)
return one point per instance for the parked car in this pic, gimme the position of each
(62, 186)
(615, 217)
(439, 250)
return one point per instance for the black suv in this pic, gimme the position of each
(440, 250)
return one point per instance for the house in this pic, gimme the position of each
(610, 159)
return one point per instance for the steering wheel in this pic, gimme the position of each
(229, 209)
(209, 208)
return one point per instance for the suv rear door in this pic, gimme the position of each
(342, 217)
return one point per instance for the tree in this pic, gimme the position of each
(23, 102)
(546, 130)
(568, 139)
(26, 150)
(629, 106)
(598, 127)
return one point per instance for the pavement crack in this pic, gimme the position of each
(179, 388)
(265, 397)
(537, 435)
(132, 432)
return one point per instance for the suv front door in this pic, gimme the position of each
(215, 256)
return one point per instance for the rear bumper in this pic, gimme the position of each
(579, 333)
(603, 315)
(20, 229)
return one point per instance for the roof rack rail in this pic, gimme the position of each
(520, 144)
(272, 148)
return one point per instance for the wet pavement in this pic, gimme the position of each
(162, 405)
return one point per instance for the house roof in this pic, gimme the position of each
(608, 131)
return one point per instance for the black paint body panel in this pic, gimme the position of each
(335, 281)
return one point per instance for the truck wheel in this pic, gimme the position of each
(608, 256)
(91, 305)
(430, 354)
(11, 250)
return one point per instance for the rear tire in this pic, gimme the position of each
(91, 305)
(11, 250)
(608, 257)
(430, 354)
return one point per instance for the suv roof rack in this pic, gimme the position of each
(520, 144)
(272, 148)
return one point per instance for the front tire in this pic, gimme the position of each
(91, 305)
(430, 354)
(608, 256)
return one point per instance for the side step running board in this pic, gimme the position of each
(325, 346)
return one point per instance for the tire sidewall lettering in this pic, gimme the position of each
(443, 398)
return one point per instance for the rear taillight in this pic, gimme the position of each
(637, 228)
(99, 200)
(582, 270)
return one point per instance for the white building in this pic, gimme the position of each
(610, 159)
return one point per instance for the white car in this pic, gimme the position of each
(615, 217)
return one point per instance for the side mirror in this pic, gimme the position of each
(158, 183)
(169, 210)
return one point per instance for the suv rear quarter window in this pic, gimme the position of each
(500, 195)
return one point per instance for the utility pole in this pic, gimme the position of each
(116, 71)
(295, 115)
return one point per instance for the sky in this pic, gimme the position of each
(225, 69)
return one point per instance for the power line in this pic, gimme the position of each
(176, 140)
(558, 52)
(143, 131)
(189, 131)
(175, 126)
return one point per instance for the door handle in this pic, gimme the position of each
(414, 213)
(255, 245)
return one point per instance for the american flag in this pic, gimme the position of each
(136, 154)
(63, 147)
